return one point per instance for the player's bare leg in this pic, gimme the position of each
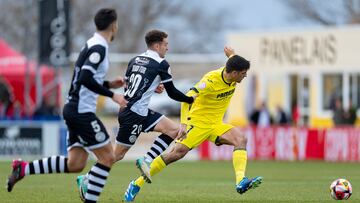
(237, 139)
(77, 158)
(169, 130)
(99, 172)
(177, 153)
(168, 127)
(120, 151)
(77, 162)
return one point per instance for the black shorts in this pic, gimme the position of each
(132, 124)
(84, 129)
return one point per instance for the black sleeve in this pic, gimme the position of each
(86, 78)
(95, 56)
(165, 72)
(106, 84)
(175, 94)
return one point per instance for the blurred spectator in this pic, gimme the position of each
(14, 111)
(5, 99)
(2, 110)
(261, 116)
(295, 114)
(350, 115)
(281, 117)
(338, 113)
(17, 110)
(335, 95)
(46, 111)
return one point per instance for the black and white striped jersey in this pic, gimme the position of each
(143, 75)
(93, 57)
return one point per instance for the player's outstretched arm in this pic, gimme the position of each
(229, 52)
(117, 83)
(175, 94)
(87, 79)
(185, 108)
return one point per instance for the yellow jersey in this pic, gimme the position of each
(214, 95)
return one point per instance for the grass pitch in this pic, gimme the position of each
(203, 181)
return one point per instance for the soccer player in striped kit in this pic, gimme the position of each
(147, 73)
(85, 131)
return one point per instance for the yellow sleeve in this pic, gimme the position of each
(200, 88)
(185, 108)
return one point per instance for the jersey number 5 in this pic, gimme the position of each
(95, 125)
(134, 83)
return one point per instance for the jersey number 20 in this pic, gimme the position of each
(134, 83)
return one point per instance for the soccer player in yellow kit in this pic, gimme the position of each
(203, 120)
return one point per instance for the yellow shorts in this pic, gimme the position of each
(197, 135)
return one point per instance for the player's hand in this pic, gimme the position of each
(229, 51)
(194, 97)
(182, 132)
(160, 88)
(118, 82)
(120, 99)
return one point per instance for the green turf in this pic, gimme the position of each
(198, 182)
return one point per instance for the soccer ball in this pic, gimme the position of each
(83, 186)
(340, 189)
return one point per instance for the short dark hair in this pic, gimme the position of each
(237, 63)
(104, 17)
(154, 36)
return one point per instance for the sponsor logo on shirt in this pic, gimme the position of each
(142, 61)
(225, 94)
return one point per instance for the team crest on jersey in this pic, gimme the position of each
(94, 58)
(202, 85)
(141, 61)
(132, 138)
(100, 136)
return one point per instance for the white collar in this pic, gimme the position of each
(153, 54)
(100, 37)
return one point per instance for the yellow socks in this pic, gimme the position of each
(140, 181)
(156, 166)
(239, 163)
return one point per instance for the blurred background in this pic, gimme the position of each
(300, 100)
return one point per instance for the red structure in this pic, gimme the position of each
(13, 75)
